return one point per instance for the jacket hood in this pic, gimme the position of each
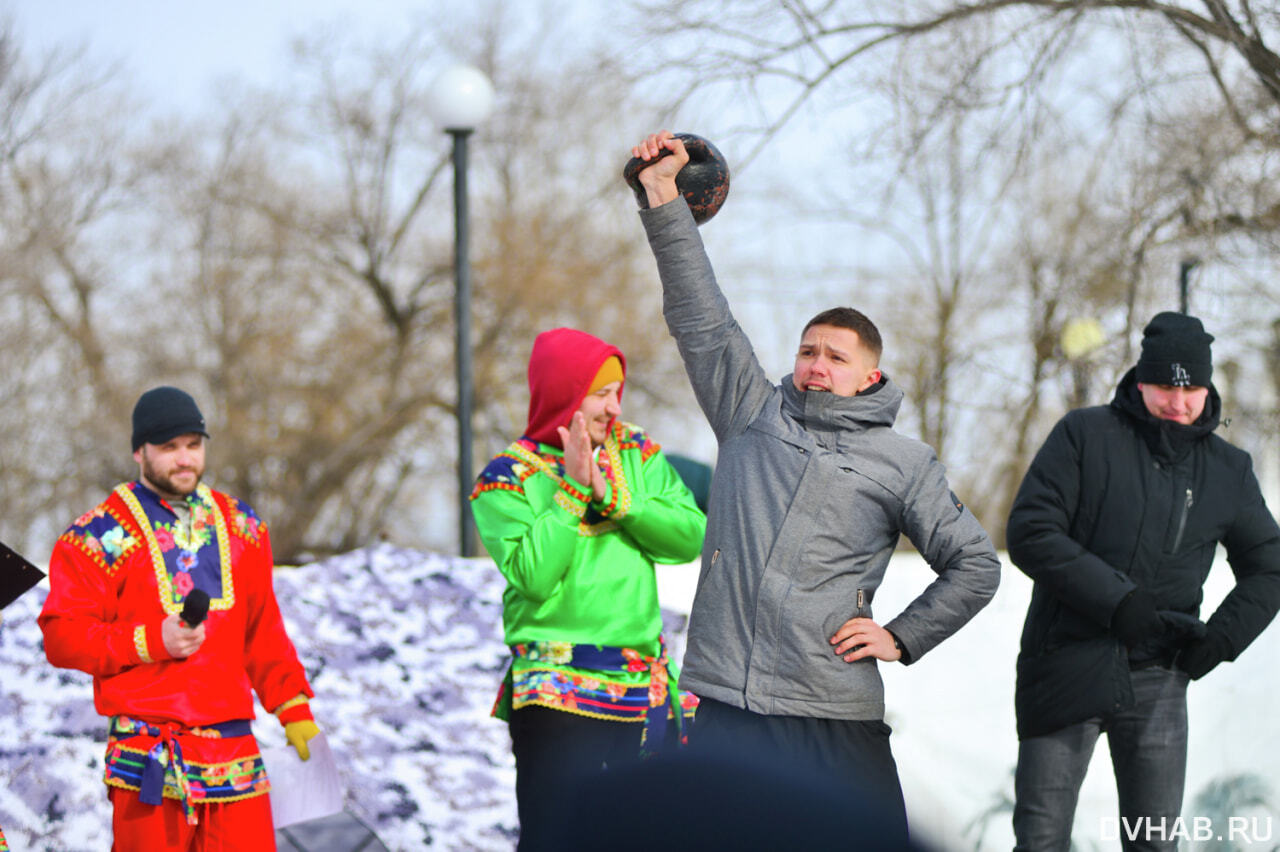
(1165, 438)
(821, 411)
(561, 367)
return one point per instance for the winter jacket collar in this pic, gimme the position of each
(827, 415)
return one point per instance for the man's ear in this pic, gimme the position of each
(872, 378)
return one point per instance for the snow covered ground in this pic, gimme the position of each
(404, 650)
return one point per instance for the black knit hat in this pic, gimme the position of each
(1175, 351)
(162, 414)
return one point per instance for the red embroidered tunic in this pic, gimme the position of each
(121, 569)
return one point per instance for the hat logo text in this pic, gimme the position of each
(1181, 378)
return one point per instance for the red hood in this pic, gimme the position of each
(561, 367)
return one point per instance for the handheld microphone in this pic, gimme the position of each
(195, 608)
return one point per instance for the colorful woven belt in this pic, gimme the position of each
(654, 702)
(164, 761)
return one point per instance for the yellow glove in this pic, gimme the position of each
(299, 733)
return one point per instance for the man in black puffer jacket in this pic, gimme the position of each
(1117, 521)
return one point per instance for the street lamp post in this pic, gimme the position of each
(1184, 282)
(461, 98)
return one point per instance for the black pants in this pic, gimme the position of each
(746, 782)
(555, 753)
(850, 758)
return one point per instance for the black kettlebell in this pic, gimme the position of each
(704, 180)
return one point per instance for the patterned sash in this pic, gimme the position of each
(162, 771)
(655, 702)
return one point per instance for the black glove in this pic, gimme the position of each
(1200, 656)
(1136, 619)
(1182, 627)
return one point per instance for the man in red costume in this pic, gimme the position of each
(182, 765)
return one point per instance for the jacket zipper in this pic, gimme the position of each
(862, 604)
(1182, 522)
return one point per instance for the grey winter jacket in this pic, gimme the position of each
(810, 493)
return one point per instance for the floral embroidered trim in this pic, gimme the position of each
(232, 781)
(159, 770)
(541, 465)
(620, 505)
(108, 548)
(122, 725)
(504, 472)
(163, 580)
(140, 643)
(575, 491)
(244, 522)
(482, 487)
(637, 438)
(291, 703)
(593, 697)
(617, 508)
(567, 497)
(191, 538)
(574, 507)
(535, 678)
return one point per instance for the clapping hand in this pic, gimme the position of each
(578, 460)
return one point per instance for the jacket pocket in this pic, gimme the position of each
(1070, 684)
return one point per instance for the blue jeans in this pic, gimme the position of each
(1148, 745)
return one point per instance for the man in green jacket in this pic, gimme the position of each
(575, 514)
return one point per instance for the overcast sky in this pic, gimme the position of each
(177, 52)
